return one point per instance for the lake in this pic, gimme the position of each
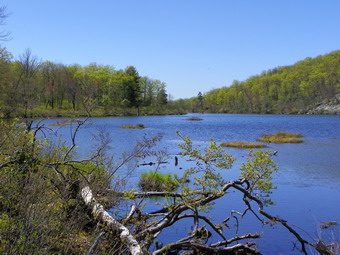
(308, 190)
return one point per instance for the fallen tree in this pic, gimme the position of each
(105, 218)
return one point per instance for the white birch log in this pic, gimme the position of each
(104, 217)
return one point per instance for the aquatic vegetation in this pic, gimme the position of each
(59, 124)
(129, 126)
(65, 122)
(281, 137)
(194, 118)
(156, 181)
(72, 121)
(327, 224)
(240, 144)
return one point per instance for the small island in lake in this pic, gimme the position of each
(245, 145)
(281, 137)
(137, 126)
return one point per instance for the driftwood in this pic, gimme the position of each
(105, 218)
(153, 163)
(147, 194)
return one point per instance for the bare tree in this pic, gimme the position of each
(28, 66)
(4, 35)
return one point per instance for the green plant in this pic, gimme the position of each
(258, 171)
(156, 181)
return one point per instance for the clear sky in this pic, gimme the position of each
(191, 45)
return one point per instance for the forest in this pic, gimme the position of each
(282, 90)
(32, 88)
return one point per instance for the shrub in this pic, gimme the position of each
(281, 137)
(155, 181)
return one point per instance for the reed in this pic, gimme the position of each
(240, 144)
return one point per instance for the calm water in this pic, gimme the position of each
(308, 190)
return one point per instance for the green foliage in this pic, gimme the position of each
(258, 171)
(288, 89)
(156, 181)
(39, 212)
(205, 175)
(95, 90)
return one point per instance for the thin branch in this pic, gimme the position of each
(235, 239)
(218, 231)
(95, 244)
(275, 219)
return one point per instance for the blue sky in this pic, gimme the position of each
(191, 45)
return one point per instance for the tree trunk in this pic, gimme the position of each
(105, 218)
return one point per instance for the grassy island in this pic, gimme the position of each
(246, 145)
(65, 122)
(129, 126)
(155, 181)
(281, 137)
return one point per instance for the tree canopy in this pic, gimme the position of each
(31, 87)
(288, 89)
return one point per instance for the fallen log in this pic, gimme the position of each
(105, 218)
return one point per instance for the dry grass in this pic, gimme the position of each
(59, 124)
(138, 126)
(65, 122)
(246, 145)
(281, 137)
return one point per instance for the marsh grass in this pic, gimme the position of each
(281, 137)
(65, 122)
(155, 181)
(129, 126)
(246, 145)
(194, 119)
(60, 124)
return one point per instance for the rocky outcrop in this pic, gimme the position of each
(327, 106)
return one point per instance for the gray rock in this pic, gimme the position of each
(327, 106)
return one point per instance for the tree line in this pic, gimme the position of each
(287, 89)
(30, 86)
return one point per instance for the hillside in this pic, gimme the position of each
(288, 89)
